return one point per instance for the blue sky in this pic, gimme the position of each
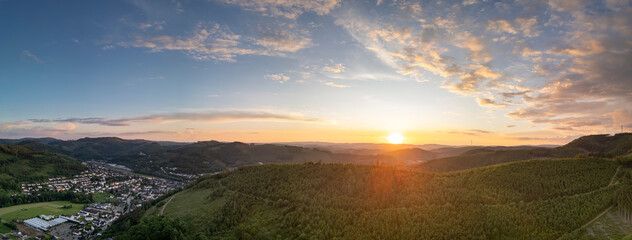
(497, 72)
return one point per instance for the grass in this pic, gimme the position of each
(608, 226)
(182, 204)
(192, 205)
(36, 209)
(101, 197)
(4, 228)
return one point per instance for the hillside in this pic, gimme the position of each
(412, 155)
(104, 148)
(213, 156)
(169, 158)
(592, 145)
(20, 164)
(536, 199)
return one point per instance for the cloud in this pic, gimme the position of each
(336, 68)
(485, 102)
(469, 2)
(285, 8)
(509, 95)
(622, 118)
(478, 47)
(208, 116)
(500, 26)
(510, 126)
(283, 40)
(281, 78)
(577, 76)
(528, 26)
(141, 133)
(19, 124)
(31, 56)
(214, 42)
(470, 132)
(26, 129)
(566, 5)
(590, 47)
(336, 85)
(527, 52)
(158, 25)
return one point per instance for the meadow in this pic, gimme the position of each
(26, 211)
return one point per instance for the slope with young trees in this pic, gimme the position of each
(536, 199)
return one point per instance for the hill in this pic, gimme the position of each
(592, 145)
(213, 156)
(39, 140)
(104, 148)
(181, 159)
(20, 164)
(535, 199)
(412, 155)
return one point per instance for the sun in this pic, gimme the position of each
(395, 138)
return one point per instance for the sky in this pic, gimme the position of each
(446, 72)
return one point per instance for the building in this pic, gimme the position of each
(43, 225)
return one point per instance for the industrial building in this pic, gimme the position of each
(43, 225)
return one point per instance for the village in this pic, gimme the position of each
(114, 193)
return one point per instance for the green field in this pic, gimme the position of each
(101, 197)
(36, 209)
(4, 228)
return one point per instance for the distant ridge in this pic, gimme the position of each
(602, 145)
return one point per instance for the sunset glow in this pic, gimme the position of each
(454, 72)
(395, 138)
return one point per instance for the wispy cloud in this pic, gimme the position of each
(217, 42)
(579, 81)
(31, 56)
(280, 39)
(470, 132)
(285, 8)
(336, 68)
(280, 77)
(332, 84)
(485, 102)
(212, 42)
(207, 116)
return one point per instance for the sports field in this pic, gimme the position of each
(26, 211)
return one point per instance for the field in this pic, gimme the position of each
(36, 209)
(4, 228)
(101, 197)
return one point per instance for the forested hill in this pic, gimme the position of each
(166, 158)
(20, 164)
(535, 199)
(593, 145)
(95, 148)
(213, 156)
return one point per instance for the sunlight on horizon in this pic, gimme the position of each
(395, 138)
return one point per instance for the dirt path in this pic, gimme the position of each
(605, 211)
(163, 206)
(614, 176)
(597, 217)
